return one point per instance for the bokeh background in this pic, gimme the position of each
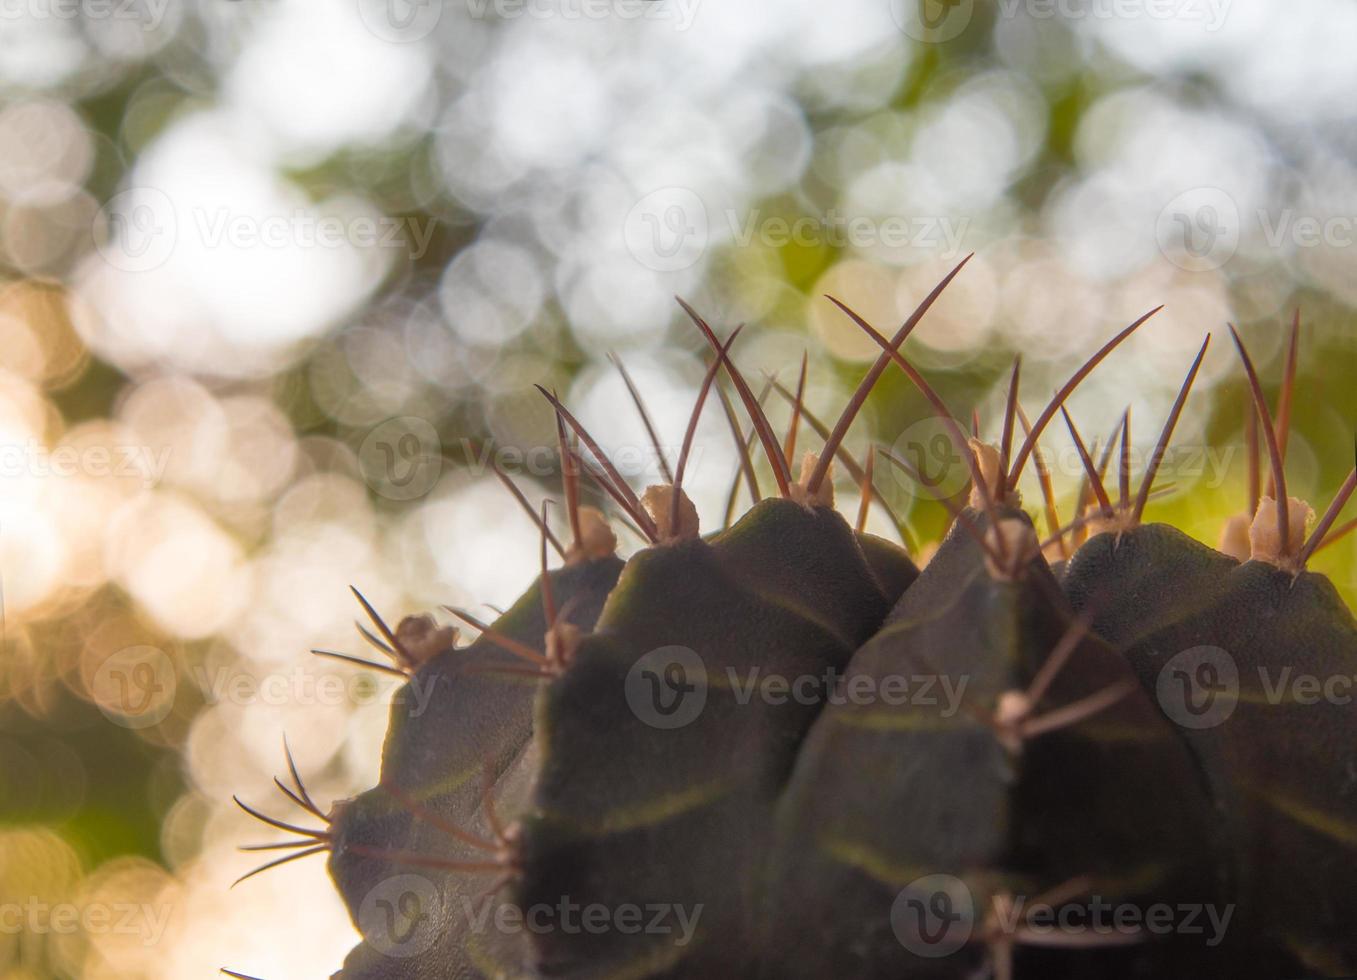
(278, 278)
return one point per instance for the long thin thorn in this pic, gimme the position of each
(426, 815)
(789, 450)
(488, 805)
(1270, 437)
(744, 444)
(238, 976)
(548, 595)
(369, 664)
(290, 845)
(309, 804)
(1073, 527)
(1077, 940)
(765, 431)
(1336, 535)
(597, 452)
(866, 491)
(527, 507)
(1069, 642)
(570, 481)
(1080, 522)
(1047, 487)
(958, 514)
(1081, 498)
(495, 886)
(1066, 892)
(1166, 434)
(403, 654)
(869, 380)
(940, 409)
(1001, 957)
(1081, 710)
(376, 642)
(1124, 462)
(1103, 461)
(1010, 412)
(416, 860)
(1251, 447)
(537, 674)
(1112, 440)
(1288, 388)
(856, 471)
(505, 643)
(605, 488)
(640, 404)
(1048, 413)
(281, 861)
(693, 419)
(297, 799)
(631, 518)
(1094, 478)
(1340, 500)
(279, 824)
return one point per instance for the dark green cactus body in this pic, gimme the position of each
(628, 812)
(1255, 665)
(889, 798)
(456, 717)
(758, 823)
(781, 751)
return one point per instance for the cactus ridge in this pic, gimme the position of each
(679, 733)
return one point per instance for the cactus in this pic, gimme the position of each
(782, 750)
